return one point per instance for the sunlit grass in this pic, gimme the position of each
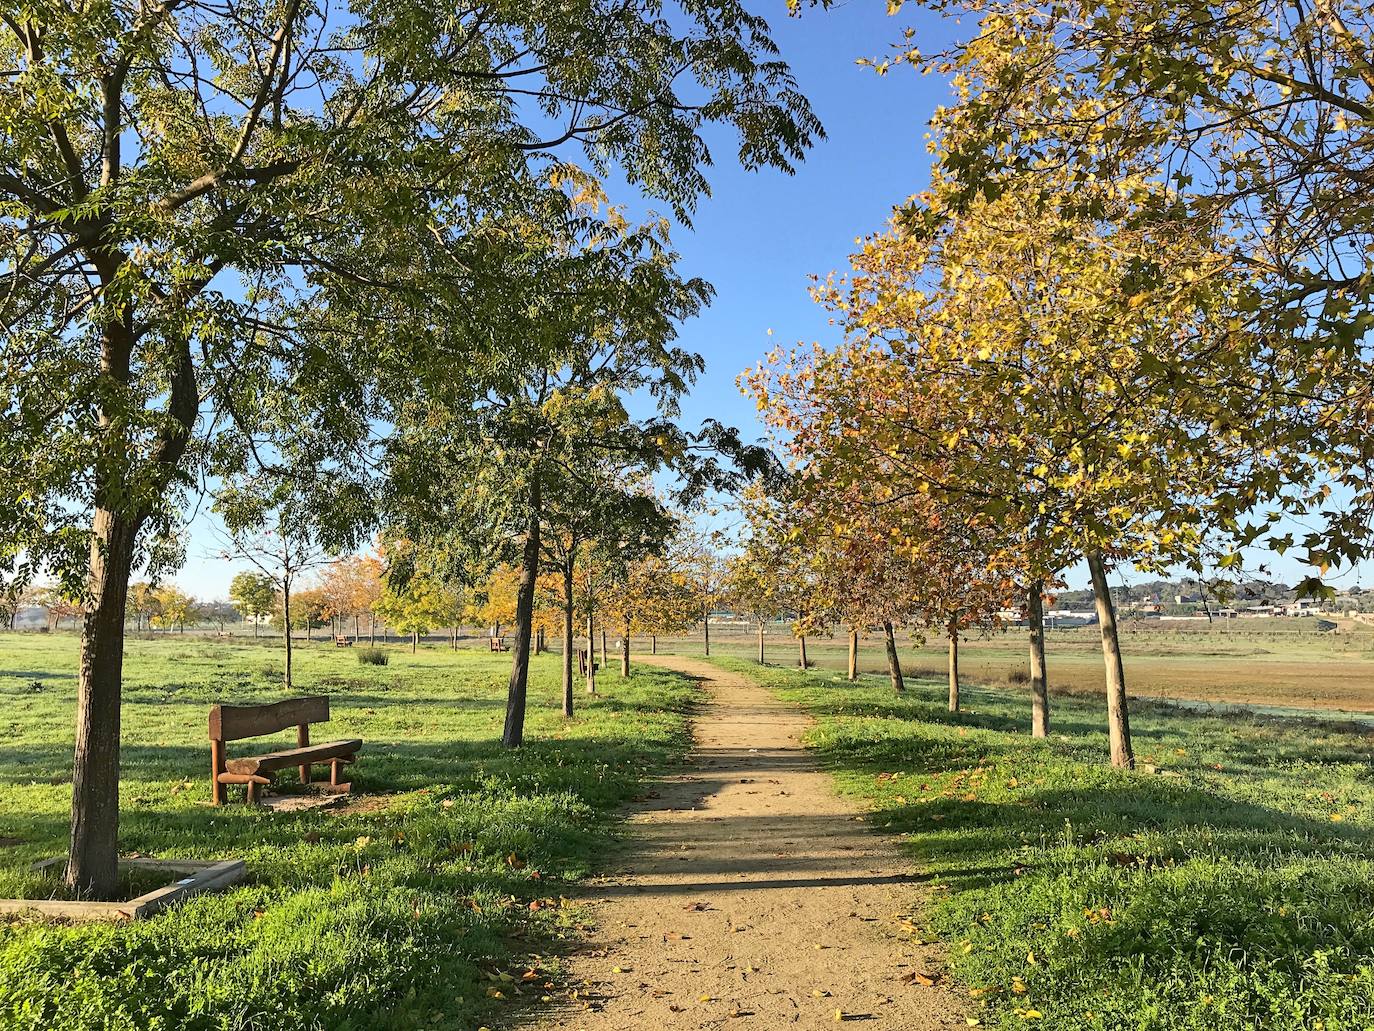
(1232, 887)
(411, 910)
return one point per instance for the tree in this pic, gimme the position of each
(281, 554)
(162, 199)
(353, 584)
(656, 595)
(311, 609)
(143, 603)
(495, 598)
(12, 598)
(417, 605)
(1257, 118)
(254, 595)
(220, 613)
(754, 582)
(489, 466)
(174, 608)
(1061, 384)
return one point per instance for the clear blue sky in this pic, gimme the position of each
(760, 235)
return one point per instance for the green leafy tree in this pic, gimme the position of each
(254, 595)
(494, 463)
(165, 179)
(175, 608)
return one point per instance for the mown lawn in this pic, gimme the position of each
(434, 902)
(1231, 888)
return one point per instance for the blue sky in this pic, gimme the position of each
(760, 235)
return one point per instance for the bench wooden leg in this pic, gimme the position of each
(252, 792)
(216, 768)
(335, 767)
(302, 740)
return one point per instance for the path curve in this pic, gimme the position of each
(752, 895)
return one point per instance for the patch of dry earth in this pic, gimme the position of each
(752, 895)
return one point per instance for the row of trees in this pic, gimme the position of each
(1124, 325)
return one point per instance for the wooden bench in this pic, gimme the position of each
(343, 642)
(236, 722)
(498, 644)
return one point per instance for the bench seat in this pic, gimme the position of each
(258, 764)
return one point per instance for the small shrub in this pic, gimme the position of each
(373, 656)
(1018, 676)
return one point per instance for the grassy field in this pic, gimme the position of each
(1231, 888)
(433, 901)
(1281, 662)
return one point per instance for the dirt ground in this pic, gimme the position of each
(751, 895)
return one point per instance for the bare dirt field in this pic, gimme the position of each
(1280, 662)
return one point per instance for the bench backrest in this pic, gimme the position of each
(233, 722)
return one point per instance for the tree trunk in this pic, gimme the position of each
(356, 635)
(706, 630)
(591, 653)
(853, 672)
(760, 642)
(894, 663)
(514, 734)
(93, 861)
(414, 641)
(625, 651)
(953, 666)
(1118, 719)
(309, 629)
(801, 651)
(1039, 682)
(371, 629)
(603, 646)
(453, 637)
(653, 644)
(286, 631)
(568, 643)
(257, 622)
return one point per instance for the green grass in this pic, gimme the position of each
(1231, 889)
(413, 912)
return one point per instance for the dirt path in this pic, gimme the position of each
(752, 895)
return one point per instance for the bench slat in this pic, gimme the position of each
(234, 722)
(294, 757)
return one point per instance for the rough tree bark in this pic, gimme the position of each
(92, 866)
(603, 646)
(760, 642)
(894, 663)
(93, 858)
(1039, 682)
(568, 637)
(953, 630)
(853, 672)
(653, 644)
(513, 736)
(1118, 719)
(801, 651)
(706, 630)
(625, 651)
